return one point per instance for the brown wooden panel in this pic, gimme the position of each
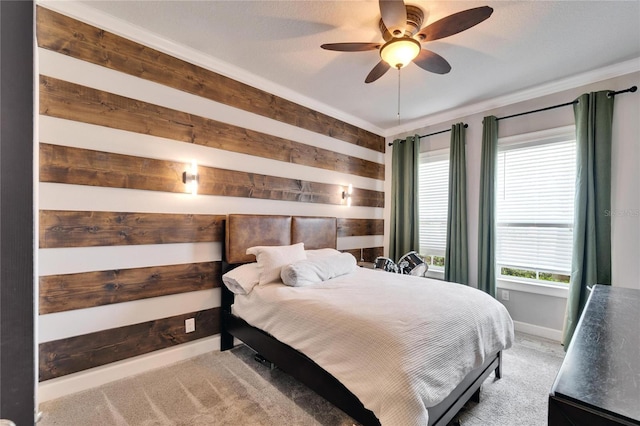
(365, 198)
(368, 254)
(72, 101)
(358, 227)
(70, 37)
(78, 166)
(66, 292)
(61, 164)
(66, 356)
(61, 228)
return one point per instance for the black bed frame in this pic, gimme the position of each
(312, 375)
(315, 232)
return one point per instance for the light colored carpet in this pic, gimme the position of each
(230, 388)
(520, 397)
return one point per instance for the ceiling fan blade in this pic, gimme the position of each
(377, 72)
(453, 24)
(351, 47)
(432, 62)
(394, 16)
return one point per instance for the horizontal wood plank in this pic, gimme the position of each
(72, 101)
(70, 37)
(65, 356)
(61, 164)
(59, 293)
(77, 166)
(358, 227)
(62, 228)
(367, 254)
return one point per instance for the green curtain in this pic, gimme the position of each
(404, 233)
(591, 261)
(456, 254)
(486, 219)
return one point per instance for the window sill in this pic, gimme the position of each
(553, 290)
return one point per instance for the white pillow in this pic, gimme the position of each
(323, 252)
(271, 259)
(312, 271)
(242, 279)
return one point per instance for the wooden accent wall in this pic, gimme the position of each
(71, 101)
(93, 229)
(66, 292)
(361, 227)
(71, 163)
(67, 36)
(357, 227)
(61, 164)
(60, 228)
(66, 356)
(368, 254)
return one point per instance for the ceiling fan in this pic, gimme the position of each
(400, 27)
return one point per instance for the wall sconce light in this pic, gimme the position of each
(346, 195)
(190, 178)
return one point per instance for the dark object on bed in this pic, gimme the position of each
(598, 380)
(243, 231)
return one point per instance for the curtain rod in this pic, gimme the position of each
(610, 94)
(431, 134)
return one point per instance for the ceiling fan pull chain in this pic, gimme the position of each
(399, 95)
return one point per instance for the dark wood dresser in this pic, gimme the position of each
(599, 380)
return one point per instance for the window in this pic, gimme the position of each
(432, 205)
(534, 207)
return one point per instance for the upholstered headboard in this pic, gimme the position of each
(244, 231)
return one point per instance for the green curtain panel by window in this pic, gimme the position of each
(456, 260)
(591, 260)
(487, 213)
(404, 197)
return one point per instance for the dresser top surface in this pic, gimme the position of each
(602, 365)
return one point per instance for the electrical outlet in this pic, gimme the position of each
(190, 325)
(505, 294)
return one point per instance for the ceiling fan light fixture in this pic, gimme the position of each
(399, 52)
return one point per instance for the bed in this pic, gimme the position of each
(422, 386)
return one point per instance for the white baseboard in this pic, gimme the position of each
(76, 382)
(536, 330)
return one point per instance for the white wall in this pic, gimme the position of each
(546, 311)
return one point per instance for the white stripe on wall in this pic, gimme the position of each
(54, 196)
(58, 131)
(346, 243)
(71, 260)
(61, 325)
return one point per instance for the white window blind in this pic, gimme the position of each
(433, 202)
(536, 184)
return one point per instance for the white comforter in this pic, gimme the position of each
(399, 343)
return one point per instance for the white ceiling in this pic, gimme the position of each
(276, 44)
